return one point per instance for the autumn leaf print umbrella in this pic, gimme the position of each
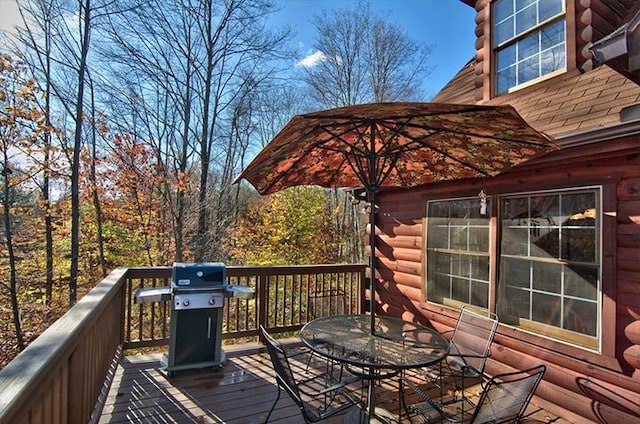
(390, 145)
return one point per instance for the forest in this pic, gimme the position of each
(123, 124)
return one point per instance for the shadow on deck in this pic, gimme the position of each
(242, 391)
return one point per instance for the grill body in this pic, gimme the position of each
(196, 316)
(197, 294)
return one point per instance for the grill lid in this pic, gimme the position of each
(198, 276)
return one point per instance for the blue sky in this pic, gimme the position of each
(447, 25)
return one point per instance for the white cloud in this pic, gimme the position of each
(312, 59)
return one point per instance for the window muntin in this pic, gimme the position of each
(528, 40)
(550, 264)
(457, 252)
(548, 257)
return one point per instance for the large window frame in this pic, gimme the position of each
(529, 42)
(566, 267)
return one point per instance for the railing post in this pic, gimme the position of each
(262, 288)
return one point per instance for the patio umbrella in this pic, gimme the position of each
(384, 145)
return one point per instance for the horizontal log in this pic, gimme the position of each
(393, 253)
(400, 230)
(627, 264)
(406, 267)
(632, 332)
(632, 356)
(629, 189)
(628, 240)
(628, 211)
(629, 254)
(628, 282)
(630, 307)
(404, 242)
(629, 229)
(401, 278)
(401, 218)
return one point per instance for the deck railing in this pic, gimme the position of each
(64, 375)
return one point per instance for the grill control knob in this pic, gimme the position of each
(212, 301)
(186, 302)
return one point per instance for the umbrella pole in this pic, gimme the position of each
(371, 198)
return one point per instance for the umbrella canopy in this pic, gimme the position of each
(394, 145)
(378, 145)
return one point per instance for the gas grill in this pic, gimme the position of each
(197, 295)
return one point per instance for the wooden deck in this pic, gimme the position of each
(242, 391)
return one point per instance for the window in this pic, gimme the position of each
(458, 253)
(529, 41)
(548, 260)
(549, 264)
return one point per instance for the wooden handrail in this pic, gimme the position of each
(62, 376)
(279, 290)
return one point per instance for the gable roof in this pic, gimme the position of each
(572, 102)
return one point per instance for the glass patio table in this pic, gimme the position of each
(393, 345)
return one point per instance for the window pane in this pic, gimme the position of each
(546, 309)
(581, 281)
(552, 35)
(528, 69)
(527, 47)
(579, 245)
(525, 19)
(438, 233)
(460, 290)
(479, 294)
(507, 57)
(503, 31)
(548, 8)
(516, 272)
(478, 239)
(580, 317)
(552, 59)
(502, 9)
(547, 277)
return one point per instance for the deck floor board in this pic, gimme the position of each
(240, 392)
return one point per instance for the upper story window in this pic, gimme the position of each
(529, 41)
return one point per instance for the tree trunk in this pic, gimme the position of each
(13, 287)
(75, 165)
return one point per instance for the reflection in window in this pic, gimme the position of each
(550, 263)
(457, 252)
(528, 40)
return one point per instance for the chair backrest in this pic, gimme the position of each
(506, 396)
(327, 303)
(472, 338)
(280, 361)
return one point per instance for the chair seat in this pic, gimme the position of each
(503, 399)
(318, 393)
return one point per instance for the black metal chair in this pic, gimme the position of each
(318, 394)
(505, 398)
(469, 348)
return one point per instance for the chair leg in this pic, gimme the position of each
(266, 420)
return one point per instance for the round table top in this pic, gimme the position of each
(395, 344)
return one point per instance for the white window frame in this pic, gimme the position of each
(495, 258)
(517, 39)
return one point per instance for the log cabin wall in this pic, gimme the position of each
(587, 22)
(587, 385)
